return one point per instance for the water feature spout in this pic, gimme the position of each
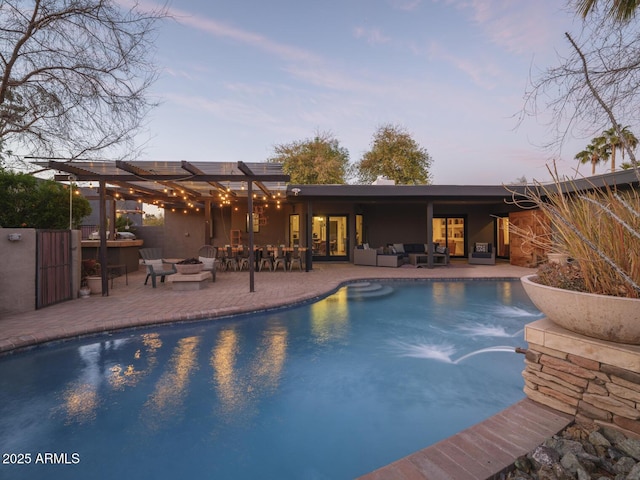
(485, 350)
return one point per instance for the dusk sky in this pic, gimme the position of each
(239, 77)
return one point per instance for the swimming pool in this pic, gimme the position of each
(332, 389)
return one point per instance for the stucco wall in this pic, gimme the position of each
(18, 279)
(183, 234)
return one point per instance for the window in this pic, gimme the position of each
(294, 230)
(330, 237)
(450, 232)
(359, 230)
(502, 237)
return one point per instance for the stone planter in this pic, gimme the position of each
(94, 284)
(189, 268)
(614, 319)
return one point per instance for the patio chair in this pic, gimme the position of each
(483, 254)
(157, 268)
(243, 258)
(296, 258)
(230, 260)
(150, 253)
(152, 258)
(207, 255)
(208, 251)
(265, 259)
(279, 259)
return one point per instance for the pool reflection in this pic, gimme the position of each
(240, 384)
(167, 400)
(330, 317)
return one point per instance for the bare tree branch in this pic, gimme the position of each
(74, 74)
(595, 87)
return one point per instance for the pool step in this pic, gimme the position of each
(362, 290)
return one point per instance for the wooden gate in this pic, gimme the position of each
(53, 267)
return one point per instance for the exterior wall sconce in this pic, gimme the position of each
(15, 237)
(295, 191)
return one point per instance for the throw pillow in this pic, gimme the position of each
(441, 249)
(482, 247)
(399, 247)
(366, 246)
(207, 262)
(156, 265)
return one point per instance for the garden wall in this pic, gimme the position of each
(18, 279)
(594, 380)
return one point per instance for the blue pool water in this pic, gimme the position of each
(329, 390)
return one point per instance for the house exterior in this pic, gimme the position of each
(217, 203)
(331, 220)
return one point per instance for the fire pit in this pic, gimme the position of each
(189, 266)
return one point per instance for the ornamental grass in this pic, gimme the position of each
(599, 228)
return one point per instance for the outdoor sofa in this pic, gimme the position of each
(397, 254)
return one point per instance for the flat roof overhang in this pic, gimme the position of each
(460, 194)
(174, 184)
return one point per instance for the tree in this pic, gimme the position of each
(320, 160)
(620, 10)
(395, 155)
(597, 151)
(615, 141)
(29, 202)
(74, 74)
(151, 220)
(595, 85)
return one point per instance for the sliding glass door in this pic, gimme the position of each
(330, 237)
(450, 232)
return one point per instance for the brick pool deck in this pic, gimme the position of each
(477, 453)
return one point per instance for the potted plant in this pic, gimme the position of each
(597, 292)
(92, 275)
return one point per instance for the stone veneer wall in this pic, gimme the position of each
(593, 380)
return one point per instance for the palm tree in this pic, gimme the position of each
(597, 151)
(629, 140)
(621, 10)
(622, 138)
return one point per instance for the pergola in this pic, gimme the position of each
(185, 185)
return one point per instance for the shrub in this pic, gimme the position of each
(90, 268)
(598, 228)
